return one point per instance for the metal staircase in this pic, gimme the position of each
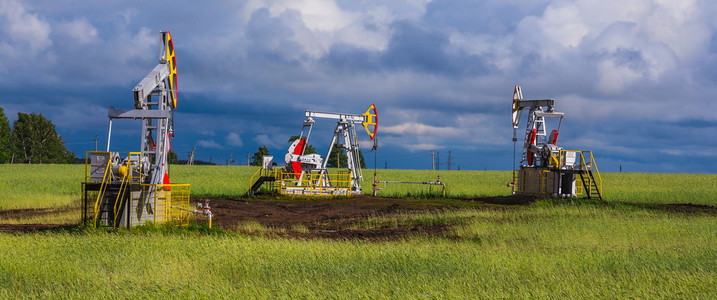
(590, 178)
(264, 176)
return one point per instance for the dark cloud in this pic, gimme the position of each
(635, 84)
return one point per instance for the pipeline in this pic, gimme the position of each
(437, 182)
(202, 209)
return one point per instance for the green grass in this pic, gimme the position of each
(541, 251)
(52, 186)
(39, 186)
(661, 188)
(623, 247)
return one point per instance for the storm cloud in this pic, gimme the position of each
(636, 79)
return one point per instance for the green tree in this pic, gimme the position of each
(34, 140)
(309, 148)
(4, 138)
(257, 158)
(338, 158)
(172, 158)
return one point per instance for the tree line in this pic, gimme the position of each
(33, 139)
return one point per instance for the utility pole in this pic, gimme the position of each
(95, 143)
(433, 159)
(190, 161)
(385, 166)
(438, 160)
(231, 159)
(248, 156)
(449, 160)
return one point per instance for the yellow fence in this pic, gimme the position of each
(528, 180)
(585, 162)
(170, 202)
(155, 203)
(314, 184)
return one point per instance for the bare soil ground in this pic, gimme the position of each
(325, 218)
(331, 218)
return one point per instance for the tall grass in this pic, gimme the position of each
(661, 188)
(549, 249)
(39, 186)
(565, 251)
(51, 186)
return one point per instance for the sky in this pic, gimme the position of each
(636, 79)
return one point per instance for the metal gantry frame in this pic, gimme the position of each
(344, 136)
(135, 189)
(546, 169)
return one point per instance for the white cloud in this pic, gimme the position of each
(233, 139)
(319, 15)
(423, 147)
(264, 139)
(27, 31)
(615, 78)
(414, 128)
(209, 144)
(688, 153)
(79, 29)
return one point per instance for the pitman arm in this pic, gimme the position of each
(150, 82)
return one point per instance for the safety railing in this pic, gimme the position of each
(261, 172)
(316, 184)
(595, 173)
(529, 179)
(107, 178)
(120, 197)
(135, 161)
(168, 203)
(171, 202)
(582, 161)
(156, 203)
(100, 161)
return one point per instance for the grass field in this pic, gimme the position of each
(47, 186)
(627, 246)
(543, 252)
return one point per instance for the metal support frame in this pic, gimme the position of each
(143, 180)
(344, 136)
(545, 168)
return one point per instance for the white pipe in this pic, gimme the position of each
(109, 136)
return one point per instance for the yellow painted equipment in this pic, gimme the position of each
(311, 184)
(546, 169)
(117, 198)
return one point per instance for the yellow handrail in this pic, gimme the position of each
(313, 183)
(251, 180)
(102, 189)
(120, 195)
(598, 181)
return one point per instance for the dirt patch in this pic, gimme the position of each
(267, 212)
(322, 218)
(30, 212)
(688, 208)
(25, 228)
(336, 218)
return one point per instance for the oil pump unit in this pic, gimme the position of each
(133, 188)
(546, 169)
(307, 174)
